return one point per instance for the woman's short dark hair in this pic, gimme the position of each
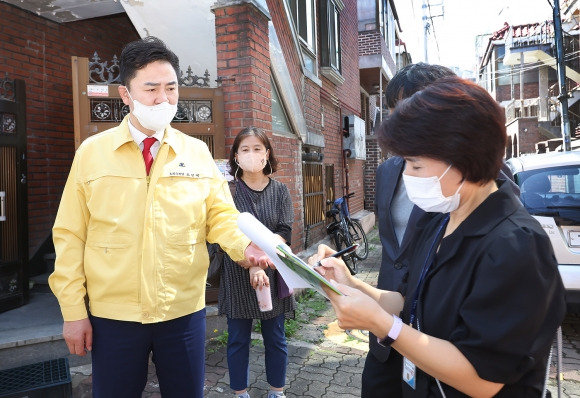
(452, 120)
(257, 132)
(140, 53)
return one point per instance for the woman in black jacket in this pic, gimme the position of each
(483, 297)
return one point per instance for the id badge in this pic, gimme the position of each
(409, 373)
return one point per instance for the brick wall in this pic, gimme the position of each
(370, 42)
(242, 47)
(39, 52)
(349, 92)
(523, 134)
(374, 159)
(531, 90)
(241, 36)
(242, 41)
(348, 98)
(288, 153)
(332, 153)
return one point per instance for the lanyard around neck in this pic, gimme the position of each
(427, 266)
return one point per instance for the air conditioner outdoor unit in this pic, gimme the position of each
(354, 138)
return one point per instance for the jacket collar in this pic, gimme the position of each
(492, 211)
(498, 206)
(124, 136)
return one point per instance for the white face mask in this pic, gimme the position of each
(155, 117)
(252, 161)
(426, 193)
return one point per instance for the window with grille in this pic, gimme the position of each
(313, 193)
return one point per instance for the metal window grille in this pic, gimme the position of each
(313, 193)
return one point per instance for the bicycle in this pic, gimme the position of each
(345, 232)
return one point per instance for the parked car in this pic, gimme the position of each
(550, 191)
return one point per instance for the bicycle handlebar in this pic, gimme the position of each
(350, 195)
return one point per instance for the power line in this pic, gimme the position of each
(517, 70)
(434, 33)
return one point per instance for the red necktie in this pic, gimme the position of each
(147, 156)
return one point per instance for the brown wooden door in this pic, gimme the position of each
(13, 195)
(97, 107)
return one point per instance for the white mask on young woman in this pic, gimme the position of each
(155, 117)
(252, 162)
(426, 193)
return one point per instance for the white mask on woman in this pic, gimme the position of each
(426, 193)
(155, 117)
(252, 162)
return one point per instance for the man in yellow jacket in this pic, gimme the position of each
(130, 238)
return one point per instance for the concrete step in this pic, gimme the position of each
(33, 333)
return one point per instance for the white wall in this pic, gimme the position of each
(186, 26)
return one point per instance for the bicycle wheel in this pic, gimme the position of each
(349, 259)
(358, 235)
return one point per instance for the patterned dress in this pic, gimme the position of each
(237, 298)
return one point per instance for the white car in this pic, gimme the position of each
(550, 191)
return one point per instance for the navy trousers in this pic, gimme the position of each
(238, 351)
(121, 351)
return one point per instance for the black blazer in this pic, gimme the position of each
(394, 261)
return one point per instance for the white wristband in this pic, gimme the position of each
(393, 333)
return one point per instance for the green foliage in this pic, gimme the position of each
(222, 339)
(349, 338)
(291, 326)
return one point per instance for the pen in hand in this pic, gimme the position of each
(339, 253)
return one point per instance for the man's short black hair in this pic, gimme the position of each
(140, 53)
(413, 78)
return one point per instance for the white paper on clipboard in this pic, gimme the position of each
(296, 273)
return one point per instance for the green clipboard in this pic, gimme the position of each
(313, 278)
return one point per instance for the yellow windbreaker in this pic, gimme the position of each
(133, 246)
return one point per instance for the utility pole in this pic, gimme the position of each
(427, 20)
(563, 97)
(426, 27)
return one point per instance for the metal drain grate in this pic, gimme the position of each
(360, 335)
(48, 378)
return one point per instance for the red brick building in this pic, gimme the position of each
(290, 67)
(38, 51)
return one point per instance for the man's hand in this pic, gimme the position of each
(255, 257)
(78, 336)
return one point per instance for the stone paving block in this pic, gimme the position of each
(298, 386)
(318, 370)
(318, 388)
